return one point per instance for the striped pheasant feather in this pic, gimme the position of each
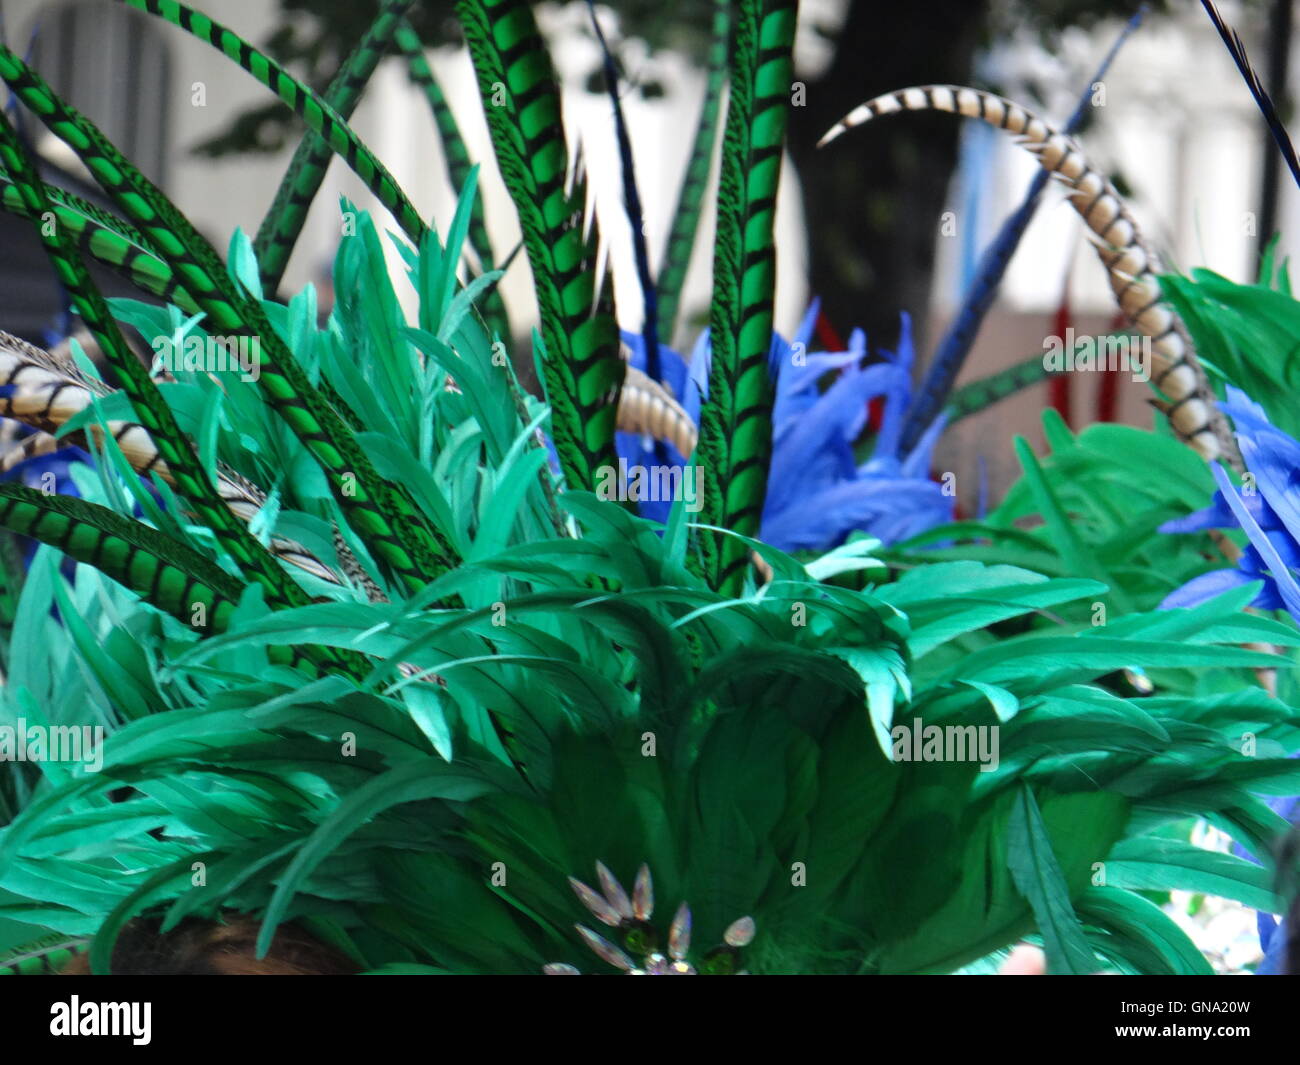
(985, 392)
(40, 389)
(1267, 108)
(104, 237)
(44, 392)
(318, 116)
(283, 223)
(154, 413)
(456, 155)
(724, 309)
(400, 535)
(45, 957)
(647, 408)
(951, 354)
(170, 575)
(686, 216)
(16, 449)
(736, 423)
(581, 368)
(631, 201)
(1131, 264)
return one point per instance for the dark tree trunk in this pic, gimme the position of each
(874, 198)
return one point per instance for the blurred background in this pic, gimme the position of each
(891, 218)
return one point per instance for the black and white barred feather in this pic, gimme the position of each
(647, 407)
(1131, 264)
(44, 391)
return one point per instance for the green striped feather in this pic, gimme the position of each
(154, 414)
(166, 573)
(250, 556)
(724, 312)
(397, 532)
(686, 217)
(319, 117)
(736, 424)
(982, 394)
(459, 165)
(44, 957)
(283, 223)
(105, 238)
(581, 369)
(120, 246)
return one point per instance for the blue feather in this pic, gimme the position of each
(1269, 515)
(632, 204)
(817, 496)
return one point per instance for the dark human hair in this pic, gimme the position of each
(207, 948)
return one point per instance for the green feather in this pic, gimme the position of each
(45, 957)
(154, 414)
(168, 574)
(320, 118)
(736, 423)
(104, 237)
(459, 165)
(581, 365)
(982, 394)
(724, 313)
(398, 532)
(283, 223)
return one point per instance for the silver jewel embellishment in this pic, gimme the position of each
(630, 917)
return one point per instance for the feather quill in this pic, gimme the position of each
(1232, 41)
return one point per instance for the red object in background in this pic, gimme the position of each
(830, 340)
(1058, 387)
(1108, 389)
